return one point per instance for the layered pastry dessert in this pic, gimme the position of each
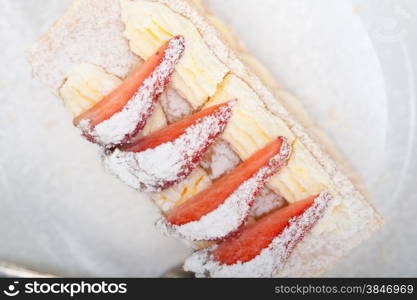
(180, 110)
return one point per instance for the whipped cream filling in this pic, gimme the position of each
(126, 123)
(231, 214)
(148, 24)
(265, 202)
(155, 169)
(271, 259)
(219, 160)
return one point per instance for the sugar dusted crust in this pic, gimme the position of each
(90, 31)
(84, 34)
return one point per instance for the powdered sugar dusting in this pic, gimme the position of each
(271, 259)
(123, 125)
(155, 169)
(231, 214)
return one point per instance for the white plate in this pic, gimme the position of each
(350, 64)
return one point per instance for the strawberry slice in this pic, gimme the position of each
(261, 248)
(174, 130)
(168, 155)
(202, 216)
(123, 113)
(250, 241)
(208, 200)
